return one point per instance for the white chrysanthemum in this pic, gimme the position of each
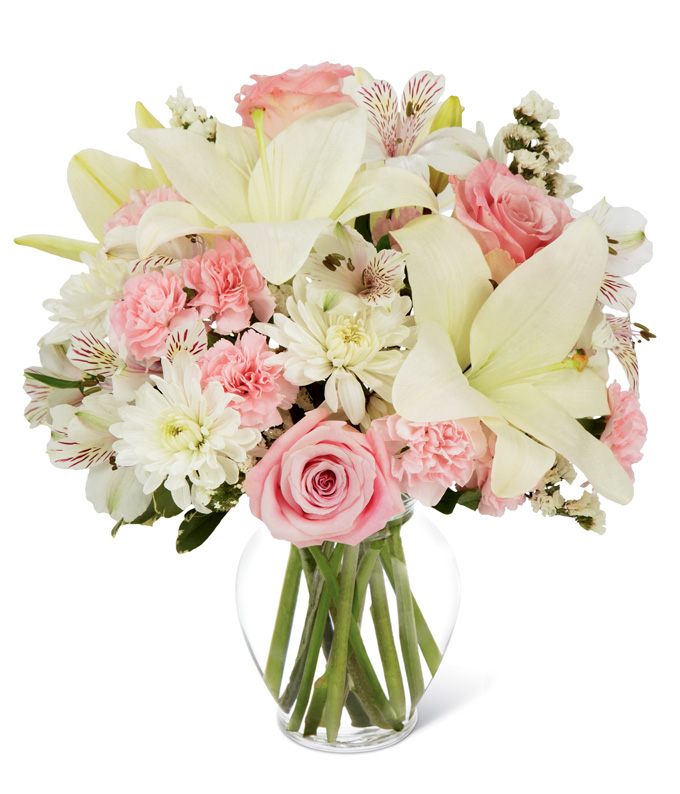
(182, 435)
(82, 439)
(345, 343)
(86, 298)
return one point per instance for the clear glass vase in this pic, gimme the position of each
(348, 638)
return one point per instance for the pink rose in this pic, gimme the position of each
(323, 480)
(250, 369)
(131, 213)
(152, 306)
(295, 93)
(229, 288)
(502, 210)
(426, 457)
(626, 429)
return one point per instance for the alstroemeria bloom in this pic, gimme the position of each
(401, 135)
(278, 196)
(505, 356)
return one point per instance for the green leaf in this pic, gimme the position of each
(115, 529)
(196, 529)
(594, 426)
(363, 225)
(469, 498)
(48, 380)
(164, 504)
(383, 243)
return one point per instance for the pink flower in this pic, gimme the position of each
(426, 457)
(323, 480)
(626, 429)
(398, 219)
(229, 288)
(490, 504)
(250, 369)
(502, 210)
(288, 96)
(140, 200)
(153, 304)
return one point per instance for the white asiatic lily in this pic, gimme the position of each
(629, 250)
(402, 136)
(505, 356)
(278, 196)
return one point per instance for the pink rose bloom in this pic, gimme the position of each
(426, 457)
(152, 306)
(323, 480)
(250, 369)
(490, 504)
(295, 93)
(131, 213)
(626, 429)
(502, 210)
(398, 219)
(229, 288)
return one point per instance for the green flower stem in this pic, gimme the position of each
(364, 572)
(386, 645)
(428, 644)
(316, 707)
(278, 649)
(408, 635)
(337, 663)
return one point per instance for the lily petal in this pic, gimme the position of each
(146, 120)
(431, 387)
(535, 316)
(519, 462)
(59, 246)
(579, 393)
(448, 275)
(549, 423)
(168, 220)
(100, 183)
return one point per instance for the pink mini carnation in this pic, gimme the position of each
(131, 213)
(397, 220)
(426, 457)
(229, 288)
(626, 429)
(288, 96)
(502, 210)
(250, 369)
(153, 305)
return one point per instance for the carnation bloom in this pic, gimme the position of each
(251, 370)
(626, 428)
(229, 288)
(502, 210)
(153, 305)
(288, 96)
(490, 504)
(426, 457)
(140, 200)
(179, 434)
(323, 480)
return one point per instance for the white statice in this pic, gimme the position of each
(345, 262)
(629, 250)
(86, 298)
(547, 502)
(55, 382)
(191, 117)
(400, 134)
(82, 439)
(346, 343)
(587, 512)
(182, 435)
(557, 150)
(534, 106)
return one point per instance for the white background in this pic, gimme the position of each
(122, 667)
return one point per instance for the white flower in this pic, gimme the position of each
(587, 512)
(629, 250)
(345, 262)
(547, 502)
(535, 107)
(531, 161)
(87, 297)
(345, 343)
(557, 149)
(56, 382)
(82, 439)
(401, 135)
(179, 434)
(190, 117)
(564, 186)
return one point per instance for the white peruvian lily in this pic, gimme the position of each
(402, 136)
(629, 250)
(505, 356)
(278, 196)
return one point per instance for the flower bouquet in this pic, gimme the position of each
(344, 304)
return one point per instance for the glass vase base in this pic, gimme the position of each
(350, 740)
